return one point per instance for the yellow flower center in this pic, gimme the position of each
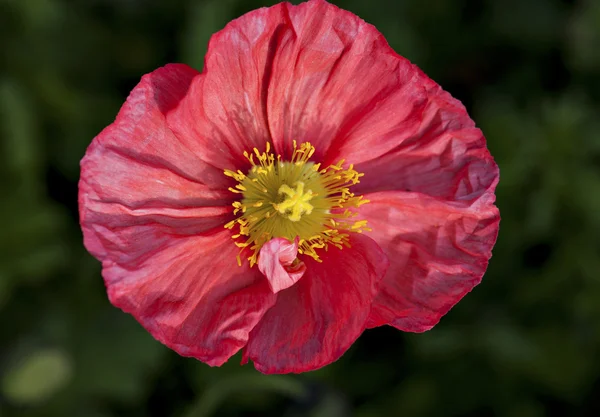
(292, 199)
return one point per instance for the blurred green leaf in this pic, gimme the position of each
(37, 377)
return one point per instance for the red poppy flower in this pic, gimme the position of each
(310, 183)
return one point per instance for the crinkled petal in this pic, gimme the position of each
(447, 158)
(311, 72)
(337, 83)
(276, 262)
(152, 210)
(226, 103)
(140, 185)
(191, 295)
(438, 252)
(316, 320)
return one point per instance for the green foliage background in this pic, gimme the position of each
(526, 343)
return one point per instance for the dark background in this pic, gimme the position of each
(525, 343)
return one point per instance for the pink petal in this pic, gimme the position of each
(225, 110)
(139, 184)
(447, 158)
(311, 72)
(191, 295)
(438, 252)
(337, 83)
(276, 263)
(316, 320)
(152, 210)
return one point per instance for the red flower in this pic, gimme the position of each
(218, 232)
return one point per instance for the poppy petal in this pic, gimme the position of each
(225, 111)
(276, 262)
(311, 72)
(316, 320)
(139, 184)
(191, 296)
(338, 84)
(152, 210)
(447, 158)
(438, 252)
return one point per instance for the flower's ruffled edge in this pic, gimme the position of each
(438, 252)
(152, 209)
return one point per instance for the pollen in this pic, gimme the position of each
(294, 198)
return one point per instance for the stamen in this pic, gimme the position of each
(294, 199)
